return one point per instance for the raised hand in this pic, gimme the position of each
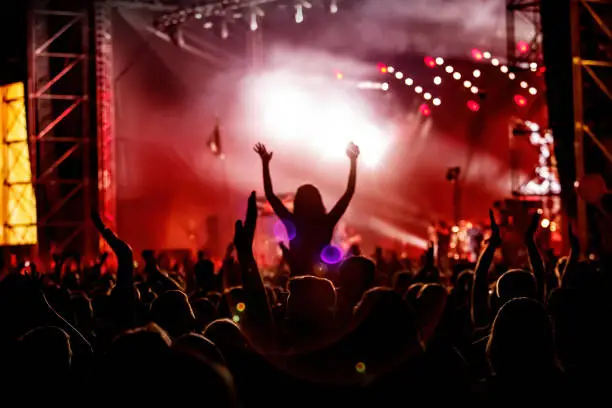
(533, 227)
(261, 150)
(244, 232)
(121, 249)
(352, 151)
(574, 241)
(495, 239)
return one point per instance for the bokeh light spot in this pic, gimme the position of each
(236, 318)
(284, 231)
(331, 254)
(360, 367)
(241, 307)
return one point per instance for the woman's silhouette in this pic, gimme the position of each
(312, 225)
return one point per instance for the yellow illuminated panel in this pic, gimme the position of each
(17, 200)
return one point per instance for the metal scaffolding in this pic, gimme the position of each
(591, 39)
(525, 11)
(59, 125)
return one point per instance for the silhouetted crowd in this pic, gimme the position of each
(365, 331)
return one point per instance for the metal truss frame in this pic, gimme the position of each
(589, 83)
(59, 125)
(529, 11)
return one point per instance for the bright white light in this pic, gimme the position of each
(254, 23)
(449, 69)
(533, 65)
(409, 81)
(399, 75)
(533, 91)
(390, 69)
(418, 89)
(511, 75)
(427, 96)
(437, 80)
(457, 76)
(486, 54)
(474, 90)
(299, 13)
(503, 69)
(534, 127)
(294, 113)
(524, 84)
(467, 84)
(384, 86)
(198, 16)
(208, 25)
(224, 30)
(439, 60)
(333, 6)
(437, 101)
(495, 62)
(476, 73)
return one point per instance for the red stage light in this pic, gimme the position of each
(520, 100)
(430, 61)
(477, 54)
(381, 67)
(425, 110)
(522, 47)
(473, 106)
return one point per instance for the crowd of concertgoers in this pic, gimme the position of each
(372, 332)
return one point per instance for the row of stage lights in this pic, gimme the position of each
(225, 12)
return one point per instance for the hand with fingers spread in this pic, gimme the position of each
(265, 155)
(495, 238)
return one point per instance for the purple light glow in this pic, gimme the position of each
(331, 254)
(284, 231)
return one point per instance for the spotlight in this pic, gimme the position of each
(198, 16)
(495, 62)
(511, 75)
(503, 69)
(384, 86)
(409, 81)
(457, 76)
(299, 13)
(474, 90)
(533, 66)
(473, 106)
(522, 47)
(437, 102)
(425, 110)
(429, 61)
(208, 25)
(486, 54)
(477, 54)
(437, 80)
(418, 89)
(545, 223)
(333, 6)
(224, 30)
(533, 91)
(520, 100)
(467, 84)
(439, 60)
(427, 96)
(449, 69)
(524, 84)
(399, 75)
(476, 73)
(254, 23)
(390, 69)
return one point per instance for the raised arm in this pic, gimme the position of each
(339, 209)
(277, 205)
(572, 259)
(480, 291)
(535, 259)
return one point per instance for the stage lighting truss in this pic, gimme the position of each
(409, 82)
(221, 14)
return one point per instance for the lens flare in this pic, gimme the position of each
(331, 254)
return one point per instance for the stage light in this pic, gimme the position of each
(495, 62)
(425, 110)
(476, 73)
(503, 69)
(333, 6)
(409, 81)
(427, 96)
(399, 75)
(390, 69)
(520, 100)
(208, 25)
(254, 24)
(545, 223)
(533, 66)
(384, 86)
(457, 76)
(224, 30)
(467, 84)
(533, 91)
(522, 47)
(429, 61)
(486, 54)
(449, 69)
(198, 16)
(477, 54)
(439, 60)
(524, 84)
(437, 102)
(474, 89)
(437, 80)
(299, 13)
(511, 75)
(418, 89)
(473, 106)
